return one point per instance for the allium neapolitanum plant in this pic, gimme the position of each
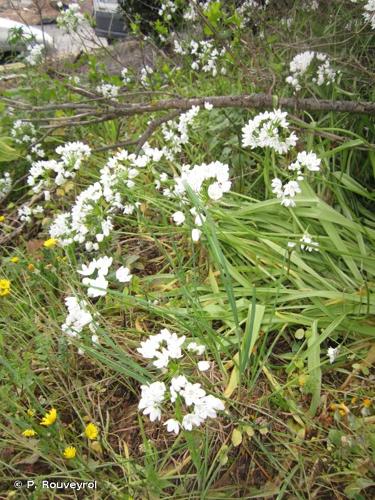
(187, 304)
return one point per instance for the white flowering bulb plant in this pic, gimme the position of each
(95, 275)
(204, 54)
(71, 18)
(310, 66)
(270, 130)
(35, 54)
(188, 402)
(90, 220)
(78, 318)
(5, 185)
(369, 13)
(108, 90)
(47, 174)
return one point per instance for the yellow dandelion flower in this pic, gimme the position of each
(91, 431)
(15, 259)
(341, 407)
(366, 403)
(2, 218)
(4, 288)
(50, 243)
(29, 433)
(49, 418)
(70, 452)
(31, 267)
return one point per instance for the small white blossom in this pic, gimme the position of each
(332, 353)
(308, 244)
(203, 366)
(173, 425)
(123, 274)
(178, 218)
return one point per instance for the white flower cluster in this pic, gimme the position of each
(34, 54)
(23, 132)
(300, 65)
(308, 244)
(167, 8)
(176, 133)
(146, 72)
(97, 286)
(195, 178)
(248, 7)
(369, 13)
(5, 185)
(108, 90)
(78, 318)
(125, 76)
(153, 348)
(71, 156)
(26, 213)
(197, 405)
(70, 19)
(287, 192)
(90, 219)
(206, 56)
(191, 12)
(268, 130)
(332, 353)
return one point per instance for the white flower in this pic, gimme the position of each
(178, 218)
(5, 185)
(332, 353)
(203, 366)
(162, 359)
(308, 244)
(207, 407)
(308, 160)
(151, 398)
(123, 274)
(78, 317)
(97, 287)
(191, 420)
(300, 65)
(35, 54)
(196, 234)
(192, 393)
(208, 106)
(162, 347)
(70, 19)
(108, 90)
(196, 348)
(173, 426)
(268, 130)
(369, 13)
(215, 191)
